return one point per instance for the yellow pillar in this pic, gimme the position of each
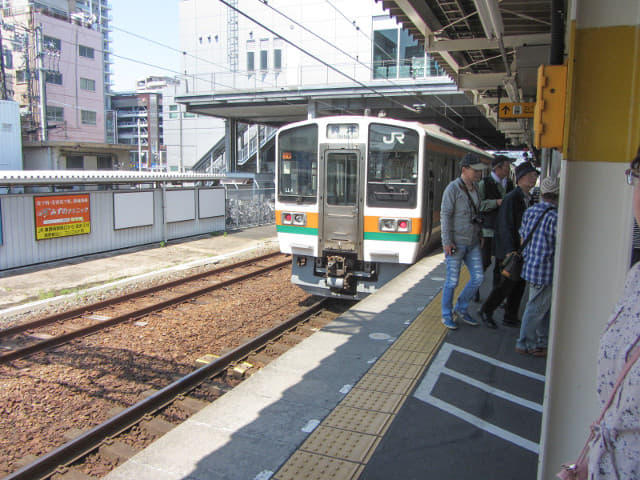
(602, 134)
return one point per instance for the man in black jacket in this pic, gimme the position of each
(507, 241)
(492, 190)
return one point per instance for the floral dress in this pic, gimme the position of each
(615, 451)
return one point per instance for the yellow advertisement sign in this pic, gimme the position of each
(516, 110)
(62, 215)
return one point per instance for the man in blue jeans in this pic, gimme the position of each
(538, 269)
(460, 221)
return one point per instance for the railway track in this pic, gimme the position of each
(18, 345)
(61, 458)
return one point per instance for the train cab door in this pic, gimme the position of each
(341, 216)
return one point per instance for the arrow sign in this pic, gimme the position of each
(517, 110)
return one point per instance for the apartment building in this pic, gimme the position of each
(139, 123)
(56, 72)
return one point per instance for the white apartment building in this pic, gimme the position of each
(347, 44)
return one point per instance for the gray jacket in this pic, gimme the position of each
(455, 216)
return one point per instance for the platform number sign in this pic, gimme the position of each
(62, 216)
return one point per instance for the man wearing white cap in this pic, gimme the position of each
(538, 268)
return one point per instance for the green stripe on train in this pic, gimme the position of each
(299, 230)
(393, 237)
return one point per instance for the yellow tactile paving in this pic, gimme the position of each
(309, 466)
(357, 420)
(341, 446)
(398, 369)
(380, 402)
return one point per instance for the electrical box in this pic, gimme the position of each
(548, 119)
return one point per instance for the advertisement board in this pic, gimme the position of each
(62, 215)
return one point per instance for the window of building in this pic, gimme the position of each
(88, 117)
(86, 52)
(8, 58)
(251, 61)
(277, 54)
(55, 114)
(104, 162)
(51, 43)
(88, 84)
(264, 55)
(54, 77)
(251, 56)
(173, 111)
(21, 76)
(396, 54)
(75, 162)
(385, 53)
(189, 115)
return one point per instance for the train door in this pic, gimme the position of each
(341, 224)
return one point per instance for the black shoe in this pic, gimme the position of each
(508, 322)
(487, 320)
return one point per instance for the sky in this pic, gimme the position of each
(157, 20)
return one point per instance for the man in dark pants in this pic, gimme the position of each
(492, 190)
(507, 240)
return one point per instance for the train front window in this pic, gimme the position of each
(342, 178)
(298, 165)
(392, 172)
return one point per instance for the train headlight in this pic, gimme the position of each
(402, 225)
(297, 219)
(300, 219)
(387, 225)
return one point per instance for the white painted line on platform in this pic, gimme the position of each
(437, 368)
(310, 426)
(497, 363)
(492, 390)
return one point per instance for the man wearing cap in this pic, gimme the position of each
(460, 221)
(507, 241)
(538, 268)
(492, 190)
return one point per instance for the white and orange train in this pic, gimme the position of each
(358, 198)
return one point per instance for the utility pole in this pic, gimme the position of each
(42, 78)
(139, 149)
(3, 75)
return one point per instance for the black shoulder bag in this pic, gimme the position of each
(512, 265)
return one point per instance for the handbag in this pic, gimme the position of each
(580, 469)
(512, 265)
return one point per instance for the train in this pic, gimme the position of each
(358, 198)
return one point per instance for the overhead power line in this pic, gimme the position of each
(316, 58)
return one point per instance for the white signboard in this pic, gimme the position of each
(181, 205)
(211, 202)
(132, 209)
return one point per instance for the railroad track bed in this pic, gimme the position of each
(31, 336)
(51, 397)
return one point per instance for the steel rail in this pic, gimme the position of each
(81, 332)
(112, 301)
(89, 441)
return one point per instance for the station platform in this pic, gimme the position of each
(384, 391)
(28, 287)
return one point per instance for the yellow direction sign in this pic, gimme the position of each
(516, 110)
